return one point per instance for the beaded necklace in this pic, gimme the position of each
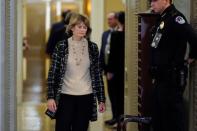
(78, 50)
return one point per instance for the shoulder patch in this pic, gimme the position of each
(180, 20)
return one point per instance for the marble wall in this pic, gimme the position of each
(2, 41)
(193, 74)
(184, 7)
(189, 9)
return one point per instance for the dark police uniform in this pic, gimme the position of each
(169, 69)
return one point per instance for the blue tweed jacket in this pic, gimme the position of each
(58, 68)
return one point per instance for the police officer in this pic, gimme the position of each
(169, 66)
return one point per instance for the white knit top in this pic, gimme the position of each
(77, 79)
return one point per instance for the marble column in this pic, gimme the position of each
(96, 20)
(8, 65)
(2, 61)
(131, 57)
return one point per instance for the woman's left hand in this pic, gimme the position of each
(102, 107)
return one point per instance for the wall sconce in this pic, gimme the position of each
(124, 2)
(87, 7)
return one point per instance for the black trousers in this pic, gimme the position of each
(116, 95)
(73, 113)
(112, 97)
(168, 107)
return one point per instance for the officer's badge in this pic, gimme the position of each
(161, 26)
(180, 20)
(156, 40)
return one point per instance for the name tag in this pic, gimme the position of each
(156, 40)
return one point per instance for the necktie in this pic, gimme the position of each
(107, 48)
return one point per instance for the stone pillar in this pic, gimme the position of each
(2, 61)
(131, 57)
(9, 45)
(19, 47)
(97, 19)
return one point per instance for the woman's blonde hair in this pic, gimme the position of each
(77, 19)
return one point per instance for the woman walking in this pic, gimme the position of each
(75, 80)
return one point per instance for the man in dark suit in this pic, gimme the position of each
(58, 32)
(104, 55)
(116, 66)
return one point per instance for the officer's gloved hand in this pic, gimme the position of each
(190, 60)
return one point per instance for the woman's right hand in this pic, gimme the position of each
(51, 105)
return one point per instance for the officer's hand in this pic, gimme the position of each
(190, 60)
(109, 75)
